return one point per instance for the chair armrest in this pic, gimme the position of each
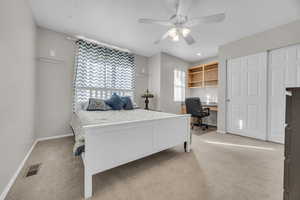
(207, 110)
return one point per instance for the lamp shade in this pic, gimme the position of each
(147, 94)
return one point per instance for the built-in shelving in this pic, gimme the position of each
(203, 76)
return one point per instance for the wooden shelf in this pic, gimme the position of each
(196, 87)
(202, 76)
(195, 82)
(195, 73)
(196, 67)
(209, 80)
(214, 69)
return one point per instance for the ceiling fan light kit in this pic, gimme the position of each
(185, 31)
(175, 33)
(181, 25)
(175, 38)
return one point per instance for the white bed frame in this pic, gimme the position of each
(112, 145)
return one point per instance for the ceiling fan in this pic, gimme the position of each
(180, 25)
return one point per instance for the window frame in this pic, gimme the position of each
(104, 63)
(179, 83)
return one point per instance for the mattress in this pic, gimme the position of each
(83, 119)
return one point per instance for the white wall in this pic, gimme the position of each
(205, 61)
(161, 81)
(272, 39)
(168, 65)
(54, 83)
(17, 85)
(205, 94)
(55, 78)
(141, 78)
(154, 68)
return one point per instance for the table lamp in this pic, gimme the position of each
(147, 95)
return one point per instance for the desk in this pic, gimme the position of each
(212, 119)
(212, 107)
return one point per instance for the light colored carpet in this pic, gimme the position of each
(220, 167)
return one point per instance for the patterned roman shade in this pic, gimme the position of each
(101, 71)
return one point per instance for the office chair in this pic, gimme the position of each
(194, 107)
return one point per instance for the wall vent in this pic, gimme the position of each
(33, 170)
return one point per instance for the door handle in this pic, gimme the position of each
(227, 100)
(288, 93)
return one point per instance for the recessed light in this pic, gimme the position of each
(199, 54)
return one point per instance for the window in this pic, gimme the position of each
(101, 71)
(179, 85)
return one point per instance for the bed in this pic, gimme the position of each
(107, 139)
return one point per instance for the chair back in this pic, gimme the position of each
(193, 106)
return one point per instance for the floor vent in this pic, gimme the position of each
(33, 170)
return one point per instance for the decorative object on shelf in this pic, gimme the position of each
(147, 95)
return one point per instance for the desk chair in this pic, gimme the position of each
(194, 107)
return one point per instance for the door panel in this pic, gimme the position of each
(298, 65)
(291, 70)
(235, 78)
(277, 75)
(252, 111)
(284, 71)
(236, 118)
(253, 83)
(292, 65)
(247, 82)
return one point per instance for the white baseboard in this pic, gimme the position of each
(54, 137)
(14, 177)
(279, 140)
(221, 132)
(12, 180)
(210, 124)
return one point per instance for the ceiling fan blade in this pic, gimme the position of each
(189, 39)
(155, 21)
(162, 38)
(206, 19)
(183, 7)
(214, 18)
(178, 7)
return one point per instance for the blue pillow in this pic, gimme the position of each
(127, 103)
(115, 102)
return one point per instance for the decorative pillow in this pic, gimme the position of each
(97, 104)
(115, 102)
(127, 103)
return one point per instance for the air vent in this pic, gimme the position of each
(33, 170)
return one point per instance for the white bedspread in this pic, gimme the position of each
(83, 118)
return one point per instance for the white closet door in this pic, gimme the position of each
(284, 71)
(247, 98)
(292, 64)
(277, 74)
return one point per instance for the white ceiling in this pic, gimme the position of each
(115, 22)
